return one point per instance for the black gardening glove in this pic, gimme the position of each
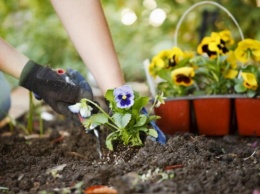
(54, 88)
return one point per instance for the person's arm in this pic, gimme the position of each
(43, 81)
(87, 27)
(12, 61)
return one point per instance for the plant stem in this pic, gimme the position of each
(104, 112)
(154, 102)
(11, 125)
(113, 126)
(40, 121)
(30, 116)
(99, 108)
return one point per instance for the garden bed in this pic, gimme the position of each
(188, 163)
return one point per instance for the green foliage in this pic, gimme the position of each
(211, 76)
(121, 120)
(126, 125)
(128, 121)
(97, 119)
(34, 28)
(33, 114)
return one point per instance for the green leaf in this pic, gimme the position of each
(152, 133)
(199, 93)
(184, 62)
(222, 58)
(153, 118)
(165, 74)
(240, 88)
(215, 76)
(87, 123)
(135, 140)
(144, 129)
(110, 138)
(202, 70)
(125, 136)
(121, 120)
(250, 69)
(99, 118)
(251, 93)
(141, 121)
(140, 103)
(109, 95)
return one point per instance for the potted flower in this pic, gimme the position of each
(210, 78)
(175, 79)
(247, 109)
(215, 75)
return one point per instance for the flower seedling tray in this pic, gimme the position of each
(215, 115)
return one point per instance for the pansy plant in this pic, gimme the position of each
(176, 73)
(128, 121)
(247, 55)
(219, 67)
(216, 70)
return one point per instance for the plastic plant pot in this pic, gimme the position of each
(247, 115)
(213, 115)
(175, 116)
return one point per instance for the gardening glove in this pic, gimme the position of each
(56, 89)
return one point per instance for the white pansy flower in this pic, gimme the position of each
(160, 100)
(82, 108)
(75, 108)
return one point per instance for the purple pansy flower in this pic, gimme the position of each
(124, 96)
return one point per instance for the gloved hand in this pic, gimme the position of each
(53, 88)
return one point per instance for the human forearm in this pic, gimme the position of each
(12, 61)
(44, 81)
(86, 25)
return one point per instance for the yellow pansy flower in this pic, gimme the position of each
(156, 65)
(212, 46)
(175, 56)
(214, 43)
(232, 59)
(249, 80)
(165, 59)
(225, 36)
(183, 76)
(203, 46)
(188, 54)
(164, 54)
(231, 74)
(247, 50)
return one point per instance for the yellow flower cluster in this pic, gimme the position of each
(248, 53)
(215, 69)
(216, 44)
(168, 59)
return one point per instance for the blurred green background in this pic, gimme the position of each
(140, 28)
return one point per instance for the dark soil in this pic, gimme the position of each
(188, 163)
